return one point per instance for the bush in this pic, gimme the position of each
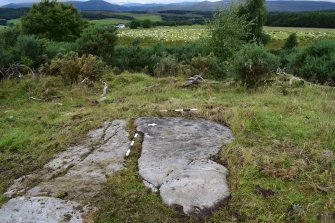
(316, 63)
(147, 23)
(53, 20)
(4, 54)
(28, 50)
(134, 24)
(167, 66)
(209, 67)
(9, 36)
(253, 64)
(99, 41)
(291, 42)
(73, 68)
(52, 49)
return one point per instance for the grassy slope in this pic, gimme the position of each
(140, 16)
(113, 21)
(108, 21)
(281, 134)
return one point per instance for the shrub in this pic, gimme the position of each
(4, 55)
(167, 66)
(52, 49)
(291, 42)
(209, 67)
(10, 35)
(253, 64)
(99, 41)
(73, 68)
(316, 63)
(53, 20)
(147, 23)
(134, 24)
(28, 50)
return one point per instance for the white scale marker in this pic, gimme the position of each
(181, 110)
(131, 144)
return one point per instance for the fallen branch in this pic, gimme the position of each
(180, 110)
(195, 80)
(16, 70)
(36, 99)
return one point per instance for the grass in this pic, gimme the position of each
(114, 21)
(305, 35)
(191, 33)
(141, 16)
(109, 21)
(282, 138)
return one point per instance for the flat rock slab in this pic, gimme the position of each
(175, 161)
(76, 175)
(40, 210)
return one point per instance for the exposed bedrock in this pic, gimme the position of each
(75, 175)
(175, 161)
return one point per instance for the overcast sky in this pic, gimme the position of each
(4, 2)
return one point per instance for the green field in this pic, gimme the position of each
(141, 16)
(114, 21)
(109, 21)
(167, 34)
(196, 32)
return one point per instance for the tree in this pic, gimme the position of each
(53, 20)
(134, 24)
(99, 41)
(146, 23)
(291, 42)
(228, 32)
(255, 13)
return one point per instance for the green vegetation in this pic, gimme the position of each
(316, 63)
(284, 134)
(108, 21)
(228, 31)
(53, 20)
(99, 41)
(253, 65)
(281, 140)
(291, 42)
(255, 13)
(74, 69)
(320, 19)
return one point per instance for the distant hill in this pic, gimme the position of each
(299, 6)
(278, 6)
(80, 5)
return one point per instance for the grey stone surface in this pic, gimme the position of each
(77, 174)
(175, 160)
(40, 210)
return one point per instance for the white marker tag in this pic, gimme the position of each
(132, 143)
(128, 152)
(153, 124)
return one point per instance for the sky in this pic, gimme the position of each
(4, 2)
